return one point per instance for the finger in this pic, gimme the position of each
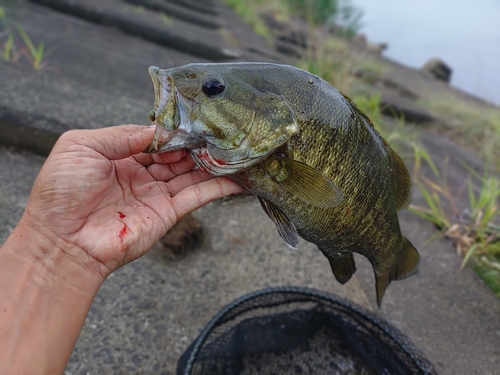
(117, 142)
(163, 158)
(166, 172)
(198, 195)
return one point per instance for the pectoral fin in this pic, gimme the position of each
(342, 264)
(286, 228)
(304, 182)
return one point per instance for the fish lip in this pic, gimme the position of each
(161, 87)
(174, 135)
(171, 140)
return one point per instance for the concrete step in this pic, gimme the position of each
(170, 32)
(194, 15)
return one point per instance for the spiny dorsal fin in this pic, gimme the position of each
(400, 179)
(304, 182)
(286, 228)
(405, 266)
(342, 264)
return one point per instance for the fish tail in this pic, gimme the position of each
(342, 264)
(405, 265)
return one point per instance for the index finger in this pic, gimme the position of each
(117, 142)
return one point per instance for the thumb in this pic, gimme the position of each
(117, 142)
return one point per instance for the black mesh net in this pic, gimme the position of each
(299, 331)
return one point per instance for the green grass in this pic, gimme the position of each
(475, 232)
(166, 19)
(316, 12)
(401, 138)
(330, 60)
(12, 51)
(249, 11)
(35, 53)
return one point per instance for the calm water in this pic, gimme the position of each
(464, 34)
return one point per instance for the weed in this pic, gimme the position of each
(11, 52)
(330, 59)
(249, 11)
(334, 12)
(166, 19)
(397, 135)
(473, 232)
(8, 48)
(35, 53)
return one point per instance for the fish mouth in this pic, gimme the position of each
(170, 115)
(167, 140)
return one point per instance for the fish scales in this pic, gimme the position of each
(315, 161)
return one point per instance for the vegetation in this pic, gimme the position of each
(317, 12)
(330, 59)
(11, 50)
(474, 232)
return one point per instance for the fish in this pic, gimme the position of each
(316, 163)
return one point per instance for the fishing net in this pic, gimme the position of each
(291, 330)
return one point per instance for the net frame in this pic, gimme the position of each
(237, 312)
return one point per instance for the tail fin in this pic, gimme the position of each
(405, 265)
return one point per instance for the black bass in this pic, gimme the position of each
(317, 165)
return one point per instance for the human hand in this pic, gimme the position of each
(105, 203)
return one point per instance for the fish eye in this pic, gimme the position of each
(213, 86)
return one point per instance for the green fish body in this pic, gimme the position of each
(319, 168)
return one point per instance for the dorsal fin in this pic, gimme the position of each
(400, 179)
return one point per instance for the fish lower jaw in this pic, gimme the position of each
(216, 167)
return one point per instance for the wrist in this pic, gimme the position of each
(45, 296)
(62, 262)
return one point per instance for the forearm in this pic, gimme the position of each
(44, 298)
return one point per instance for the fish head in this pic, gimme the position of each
(223, 113)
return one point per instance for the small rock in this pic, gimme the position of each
(359, 39)
(439, 69)
(188, 230)
(377, 47)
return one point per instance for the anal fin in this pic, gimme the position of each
(341, 263)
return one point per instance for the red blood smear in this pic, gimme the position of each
(122, 215)
(122, 233)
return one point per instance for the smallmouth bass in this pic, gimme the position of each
(316, 163)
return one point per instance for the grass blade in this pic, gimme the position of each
(27, 41)
(468, 254)
(9, 45)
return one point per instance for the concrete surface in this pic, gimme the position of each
(147, 313)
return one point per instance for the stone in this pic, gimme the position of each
(438, 69)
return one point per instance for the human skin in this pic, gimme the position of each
(97, 204)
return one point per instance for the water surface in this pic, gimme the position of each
(464, 34)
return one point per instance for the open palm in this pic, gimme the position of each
(97, 192)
